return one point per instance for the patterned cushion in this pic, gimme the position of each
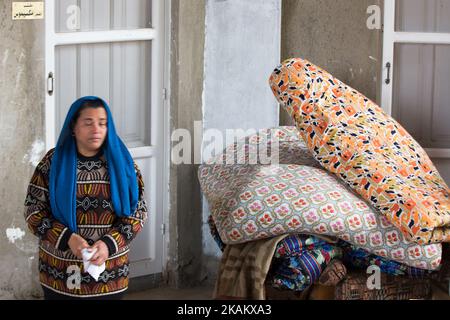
(273, 145)
(250, 202)
(352, 137)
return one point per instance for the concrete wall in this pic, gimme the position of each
(242, 47)
(21, 145)
(334, 35)
(186, 60)
(218, 78)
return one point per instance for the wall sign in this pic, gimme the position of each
(27, 10)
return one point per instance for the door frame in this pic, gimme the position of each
(159, 137)
(390, 38)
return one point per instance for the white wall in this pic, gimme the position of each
(242, 47)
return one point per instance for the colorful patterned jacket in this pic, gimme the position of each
(59, 269)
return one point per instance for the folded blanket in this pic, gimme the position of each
(364, 147)
(243, 269)
(255, 201)
(299, 261)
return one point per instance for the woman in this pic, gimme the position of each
(86, 193)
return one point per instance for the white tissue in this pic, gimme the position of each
(89, 267)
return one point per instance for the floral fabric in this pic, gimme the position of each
(355, 139)
(251, 202)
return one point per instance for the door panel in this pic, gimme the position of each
(101, 15)
(421, 93)
(120, 73)
(443, 166)
(423, 15)
(141, 250)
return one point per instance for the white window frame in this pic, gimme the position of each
(390, 38)
(159, 114)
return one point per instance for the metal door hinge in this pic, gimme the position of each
(163, 229)
(164, 94)
(50, 83)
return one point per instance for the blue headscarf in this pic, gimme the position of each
(63, 171)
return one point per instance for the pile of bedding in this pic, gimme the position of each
(333, 222)
(346, 188)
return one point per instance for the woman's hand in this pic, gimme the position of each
(101, 254)
(76, 244)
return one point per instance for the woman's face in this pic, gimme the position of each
(90, 130)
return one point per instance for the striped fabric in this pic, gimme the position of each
(299, 260)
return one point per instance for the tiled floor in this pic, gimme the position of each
(205, 293)
(198, 293)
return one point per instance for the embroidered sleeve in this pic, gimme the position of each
(37, 208)
(125, 229)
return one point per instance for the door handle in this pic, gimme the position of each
(388, 79)
(50, 83)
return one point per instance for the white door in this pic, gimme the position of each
(416, 73)
(114, 49)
